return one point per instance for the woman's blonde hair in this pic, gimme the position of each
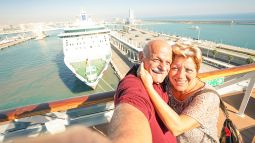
(188, 50)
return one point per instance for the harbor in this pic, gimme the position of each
(33, 72)
(47, 81)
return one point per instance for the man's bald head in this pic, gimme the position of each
(154, 45)
(157, 57)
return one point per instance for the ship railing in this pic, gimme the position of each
(98, 108)
(125, 41)
(236, 80)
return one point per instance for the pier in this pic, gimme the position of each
(120, 64)
(131, 40)
(15, 42)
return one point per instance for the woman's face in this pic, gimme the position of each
(183, 74)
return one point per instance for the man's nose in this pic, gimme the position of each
(164, 66)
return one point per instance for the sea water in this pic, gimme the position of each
(34, 72)
(240, 35)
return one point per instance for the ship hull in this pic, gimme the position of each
(79, 70)
(87, 50)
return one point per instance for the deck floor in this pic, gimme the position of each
(245, 124)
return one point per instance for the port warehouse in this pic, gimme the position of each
(225, 56)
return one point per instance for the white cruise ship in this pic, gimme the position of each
(87, 50)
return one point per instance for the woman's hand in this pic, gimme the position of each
(145, 76)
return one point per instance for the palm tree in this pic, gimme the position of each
(215, 52)
(230, 58)
(207, 52)
(249, 60)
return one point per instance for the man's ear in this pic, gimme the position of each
(141, 56)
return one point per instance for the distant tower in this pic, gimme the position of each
(131, 19)
(85, 19)
(83, 16)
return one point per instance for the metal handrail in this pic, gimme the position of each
(61, 105)
(227, 72)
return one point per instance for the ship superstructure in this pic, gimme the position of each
(87, 50)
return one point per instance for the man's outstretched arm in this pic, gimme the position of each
(129, 125)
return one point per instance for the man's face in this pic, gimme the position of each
(158, 61)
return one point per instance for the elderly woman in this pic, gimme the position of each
(190, 114)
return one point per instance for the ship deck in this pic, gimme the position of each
(245, 124)
(80, 67)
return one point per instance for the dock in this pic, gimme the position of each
(119, 63)
(15, 42)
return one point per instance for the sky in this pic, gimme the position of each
(24, 11)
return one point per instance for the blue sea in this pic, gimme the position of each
(231, 34)
(213, 17)
(239, 33)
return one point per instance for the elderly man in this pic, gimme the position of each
(134, 118)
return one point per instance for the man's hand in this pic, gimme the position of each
(144, 75)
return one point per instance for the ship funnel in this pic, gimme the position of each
(85, 19)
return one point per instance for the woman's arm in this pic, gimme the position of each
(177, 124)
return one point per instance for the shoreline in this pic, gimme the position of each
(15, 42)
